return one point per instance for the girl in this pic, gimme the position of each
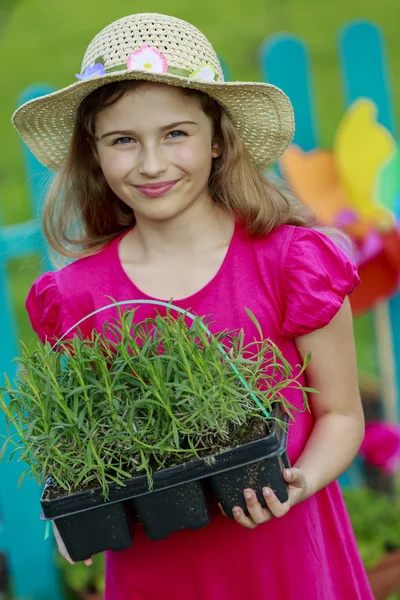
(159, 193)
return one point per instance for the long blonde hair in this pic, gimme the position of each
(82, 214)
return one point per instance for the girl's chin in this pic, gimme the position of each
(158, 212)
(160, 209)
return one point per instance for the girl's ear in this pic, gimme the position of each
(216, 149)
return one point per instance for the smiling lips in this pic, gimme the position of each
(153, 190)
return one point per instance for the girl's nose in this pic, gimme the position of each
(152, 162)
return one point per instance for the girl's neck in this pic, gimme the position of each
(193, 231)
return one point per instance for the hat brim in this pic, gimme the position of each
(261, 112)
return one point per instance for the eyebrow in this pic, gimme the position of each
(129, 132)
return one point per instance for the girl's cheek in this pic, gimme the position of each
(115, 167)
(191, 158)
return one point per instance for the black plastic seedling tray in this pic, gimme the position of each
(178, 500)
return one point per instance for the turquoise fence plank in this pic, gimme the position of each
(365, 74)
(353, 476)
(365, 68)
(2, 542)
(29, 557)
(285, 63)
(20, 239)
(38, 176)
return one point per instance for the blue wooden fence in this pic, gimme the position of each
(284, 62)
(22, 534)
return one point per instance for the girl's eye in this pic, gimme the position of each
(123, 141)
(176, 134)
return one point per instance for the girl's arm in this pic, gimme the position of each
(339, 420)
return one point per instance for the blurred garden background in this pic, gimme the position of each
(43, 42)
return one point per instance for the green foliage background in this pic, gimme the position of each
(43, 42)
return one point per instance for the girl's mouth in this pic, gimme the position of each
(153, 190)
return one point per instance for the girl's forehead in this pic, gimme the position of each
(157, 92)
(160, 103)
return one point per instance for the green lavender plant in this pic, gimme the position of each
(138, 397)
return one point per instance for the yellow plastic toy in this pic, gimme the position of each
(361, 146)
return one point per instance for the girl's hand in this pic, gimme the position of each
(62, 549)
(258, 514)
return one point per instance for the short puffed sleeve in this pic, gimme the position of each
(47, 310)
(318, 277)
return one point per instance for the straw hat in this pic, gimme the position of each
(164, 49)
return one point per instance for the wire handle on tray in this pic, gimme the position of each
(185, 312)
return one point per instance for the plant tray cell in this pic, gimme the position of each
(229, 485)
(164, 512)
(104, 528)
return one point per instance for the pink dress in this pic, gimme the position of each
(294, 281)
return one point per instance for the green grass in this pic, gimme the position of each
(44, 42)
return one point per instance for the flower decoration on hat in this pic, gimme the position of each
(147, 58)
(91, 71)
(206, 73)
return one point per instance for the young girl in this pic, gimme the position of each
(160, 195)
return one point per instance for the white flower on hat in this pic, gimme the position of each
(147, 58)
(205, 73)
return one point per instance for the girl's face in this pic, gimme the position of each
(155, 147)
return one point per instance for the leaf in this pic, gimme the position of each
(78, 390)
(4, 449)
(310, 390)
(175, 434)
(82, 475)
(37, 478)
(22, 476)
(81, 417)
(255, 321)
(89, 457)
(116, 403)
(16, 450)
(28, 432)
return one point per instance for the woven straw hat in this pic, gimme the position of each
(164, 49)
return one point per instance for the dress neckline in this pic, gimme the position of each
(120, 271)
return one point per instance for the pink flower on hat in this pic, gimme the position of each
(147, 58)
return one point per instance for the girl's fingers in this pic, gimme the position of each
(62, 550)
(257, 514)
(256, 511)
(61, 546)
(294, 476)
(222, 510)
(275, 506)
(241, 518)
